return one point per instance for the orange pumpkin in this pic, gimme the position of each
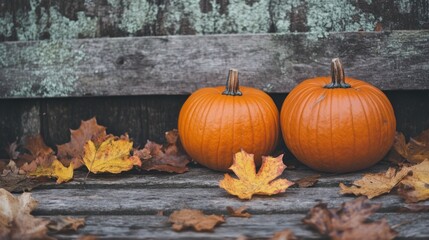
(337, 124)
(214, 123)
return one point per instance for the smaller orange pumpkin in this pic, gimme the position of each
(215, 123)
(337, 124)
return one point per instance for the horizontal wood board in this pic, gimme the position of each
(125, 206)
(171, 65)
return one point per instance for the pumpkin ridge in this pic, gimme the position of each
(210, 101)
(367, 123)
(222, 110)
(352, 122)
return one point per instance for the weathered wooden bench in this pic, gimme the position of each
(138, 84)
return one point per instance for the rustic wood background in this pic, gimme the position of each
(103, 73)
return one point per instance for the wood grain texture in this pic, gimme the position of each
(125, 206)
(261, 226)
(181, 64)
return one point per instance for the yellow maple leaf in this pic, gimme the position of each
(112, 155)
(415, 187)
(56, 170)
(375, 184)
(249, 183)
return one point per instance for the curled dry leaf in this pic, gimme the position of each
(66, 224)
(308, 181)
(190, 218)
(239, 212)
(16, 222)
(72, 152)
(285, 234)
(415, 187)
(416, 150)
(13, 181)
(112, 155)
(375, 184)
(168, 158)
(350, 221)
(249, 183)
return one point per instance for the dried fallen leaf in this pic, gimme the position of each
(112, 155)
(43, 161)
(308, 181)
(13, 181)
(12, 150)
(239, 212)
(190, 218)
(66, 224)
(416, 150)
(16, 222)
(49, 167)
(350, 221)
(375, 184)
(249, 183)
(415, 187)
(285, 234)
(72, 152)
(169, 158)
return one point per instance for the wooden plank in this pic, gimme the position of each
(181, 64)
(408, 225)
(46, 19)
(148, 201)
(197, 177)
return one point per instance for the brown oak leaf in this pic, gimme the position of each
(191, 218)
(72, 152)
(239, 212)
(16, 222)
(168, 158)
(415, 187)
(375, 184)
(249, 183)
(416, 150)
(350, 221)
(308, 181)
(66, 224)
(285, 234)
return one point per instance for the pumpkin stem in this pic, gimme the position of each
(337, 75)
(232, 87)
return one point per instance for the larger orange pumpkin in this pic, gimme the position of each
(337, 124)
(214, 123)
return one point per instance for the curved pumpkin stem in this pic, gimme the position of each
(232, 86)
(337, 75)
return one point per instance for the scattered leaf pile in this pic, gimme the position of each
(239, 212)
(308, 181)
(416, 150)
(413, 183)
(285, 234)
(249, 182)
(350, 221)
(168, 158)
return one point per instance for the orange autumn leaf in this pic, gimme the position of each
(191, 218)
(72, 152)
(415, 187)
(416, 150)
(249, 183)
(112, 155)
(375, 184)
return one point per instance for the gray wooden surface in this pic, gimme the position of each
(125, 206)
(171, 65)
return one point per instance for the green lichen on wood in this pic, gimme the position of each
(325, 16)
(6, 25)
(136, 14)
(53, 64)
(37, 21)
